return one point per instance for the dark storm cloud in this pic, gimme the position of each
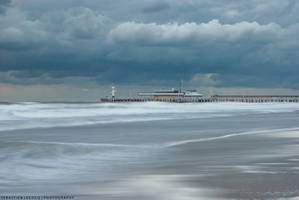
(3, 5)
(231, 43)
(246, 48)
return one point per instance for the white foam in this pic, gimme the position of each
(41, 115)
(182, 142)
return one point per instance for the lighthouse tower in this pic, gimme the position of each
(113, 92)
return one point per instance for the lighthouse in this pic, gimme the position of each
(113, 92)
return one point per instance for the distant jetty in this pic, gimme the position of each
(185, 96)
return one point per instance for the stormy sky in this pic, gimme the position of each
(68, 49)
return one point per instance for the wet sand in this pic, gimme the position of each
(257, 166)
(246, 166)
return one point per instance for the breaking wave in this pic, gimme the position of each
(41, 115)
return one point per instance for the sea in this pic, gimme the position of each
(150, 150)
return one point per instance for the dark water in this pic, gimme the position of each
(151, 150)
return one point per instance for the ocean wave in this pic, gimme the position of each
(45, 115)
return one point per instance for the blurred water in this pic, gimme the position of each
(150, 150)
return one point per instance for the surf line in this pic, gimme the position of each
(182, 142)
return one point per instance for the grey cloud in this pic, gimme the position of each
(83, 23)
(62, 28)
(291, 5)
(17, 32)
(261, 54)
(156, 7)
(3, 5)
(217, 43)
(173, 32)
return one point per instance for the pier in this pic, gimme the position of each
(254, 98)
(185, 96)
(214, 98)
